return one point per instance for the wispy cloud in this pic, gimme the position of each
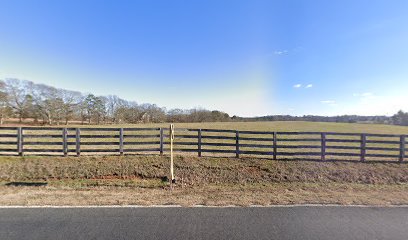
(281, 52)
(287, 51)
(329, 102)
(365, 95)
(299, 85)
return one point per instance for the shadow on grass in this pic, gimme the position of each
(243, 157)
(26, 184)
(294, 159)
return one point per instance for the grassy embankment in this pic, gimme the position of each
(209, 180)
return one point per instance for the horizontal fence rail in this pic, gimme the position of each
(318, 145)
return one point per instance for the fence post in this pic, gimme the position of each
(275, 148)
(121, 141)
(237, 144)
(78, 141)
(323, 147)
(363, 147)
(199, 142)
(161, 142)
(65, 142)
(173, 180)
(20, 141)
(402, 148)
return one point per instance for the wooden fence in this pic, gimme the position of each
(276, 145)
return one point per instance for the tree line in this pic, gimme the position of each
(314, 118)
(47, 105)
(401, 118)
(43, 104)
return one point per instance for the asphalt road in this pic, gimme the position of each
(205, 223)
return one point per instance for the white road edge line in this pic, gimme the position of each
(204, 206)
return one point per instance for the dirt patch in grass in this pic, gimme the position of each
(140, 180)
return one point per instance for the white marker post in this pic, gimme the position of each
(173, 180)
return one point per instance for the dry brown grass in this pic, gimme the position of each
(218, 195)
(101, 180)
(254, 126)
(197, 171)
(271, 126)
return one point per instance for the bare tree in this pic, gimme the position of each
(19, 97)
(153, 113)
(25, 99)
(45, 100)
(113, 103)
(4, 108)
(177, 115)
(71, 101)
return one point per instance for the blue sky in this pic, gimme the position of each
(246, 58)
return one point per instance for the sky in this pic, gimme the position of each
(247, 58)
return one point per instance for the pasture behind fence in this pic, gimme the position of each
(271, 144)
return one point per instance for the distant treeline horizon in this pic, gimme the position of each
(319, 118)
(47, 105)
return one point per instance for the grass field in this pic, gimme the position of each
(274, 126)
(141, 179)
(229, 145)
